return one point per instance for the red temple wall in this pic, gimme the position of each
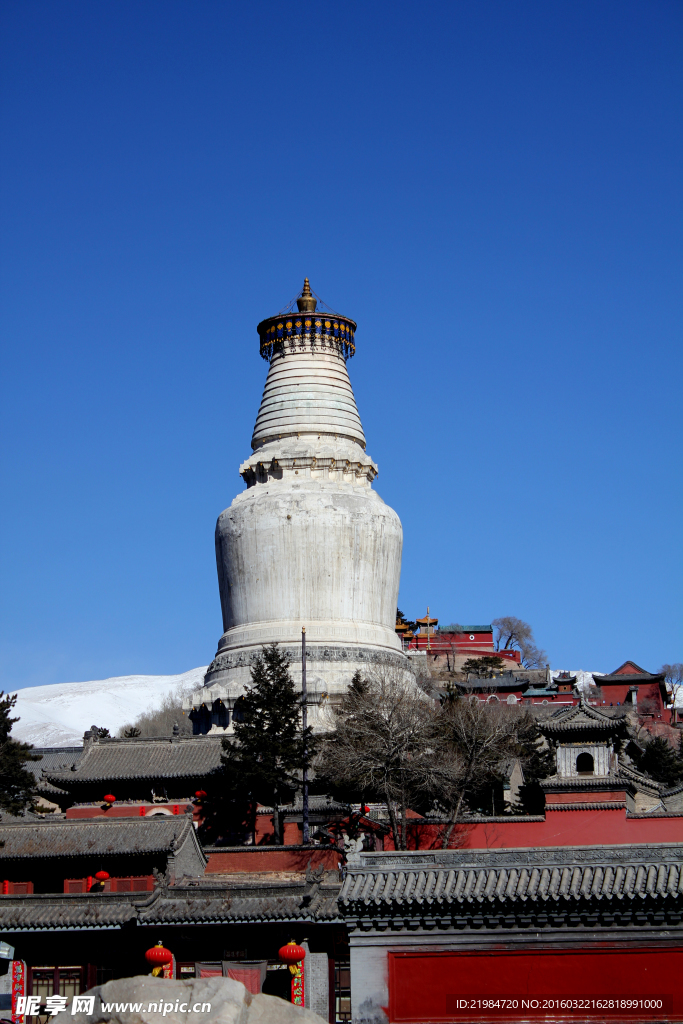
(427, 986)
(560, 828)
(271, 858)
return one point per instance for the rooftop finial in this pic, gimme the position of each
(306, 301)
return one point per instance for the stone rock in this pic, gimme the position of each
(159, 1000)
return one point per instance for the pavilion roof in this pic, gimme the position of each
(153, 757)
(581, 718)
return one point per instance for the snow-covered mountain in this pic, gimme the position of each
(58, 715)
(583, 679)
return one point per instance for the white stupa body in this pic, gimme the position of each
(309, 542)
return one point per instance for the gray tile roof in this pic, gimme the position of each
(200, 903)
(581, 718)
(233, 903)
(93, 837)
(149, 758)
(623, 777)
(64, 913)
(629, 677)
(53, 758)
(617, 874)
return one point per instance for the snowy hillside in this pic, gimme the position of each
(58, 715)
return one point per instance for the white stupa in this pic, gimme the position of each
(309, 542)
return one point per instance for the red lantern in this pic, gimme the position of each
(365, 809)
(109, 798)
(200, 794)
(293, 956)
(102, 876)
(158, 957)
(291, 953)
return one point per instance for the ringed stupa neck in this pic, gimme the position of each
(307, 391)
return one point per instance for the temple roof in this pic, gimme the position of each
(581, 718)
(550, 875)
(467, 629)
(51, 758)
(629, 672)
(155, 757)
(87, 837)
(203, 901)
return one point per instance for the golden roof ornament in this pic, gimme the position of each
(306, 301)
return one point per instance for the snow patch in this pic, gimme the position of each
(59, 714)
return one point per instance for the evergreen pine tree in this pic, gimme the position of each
(483, 667)
(17, 784)
(661, 762)
(400, 617)
(263, 764)
(538, 762)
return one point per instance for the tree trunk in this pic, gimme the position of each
(276, 818)
(453, 822)
(404, 844)
(392, 820)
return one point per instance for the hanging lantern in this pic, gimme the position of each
(109, 798)
(102, 876)
(365, 809)
(200, 794)
(291, 953)
(158, 957)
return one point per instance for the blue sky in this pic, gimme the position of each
(492, 190)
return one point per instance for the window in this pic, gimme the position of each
(139, 883)
(342, 990)
(56, 981)
(584, 764)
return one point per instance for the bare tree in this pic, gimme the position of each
(391, 740)
(161, 721)
(383, 741)
(476, 739)
(513, 634)
(673, 676)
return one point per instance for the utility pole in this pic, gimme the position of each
(304, 723)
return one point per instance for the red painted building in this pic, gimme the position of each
(552, 935)
(631, 684)
(468, 641)
(576, 914)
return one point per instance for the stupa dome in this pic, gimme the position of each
(309, 542)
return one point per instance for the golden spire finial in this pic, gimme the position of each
(306, 301)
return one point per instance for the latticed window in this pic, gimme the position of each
(342, 990)
(55, 981)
